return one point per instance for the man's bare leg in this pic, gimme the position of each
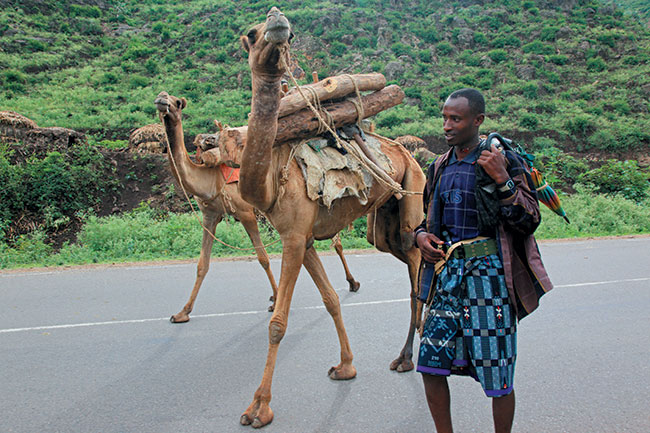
(437, 392)
(503, 412)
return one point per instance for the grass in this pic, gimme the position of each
(146, 235)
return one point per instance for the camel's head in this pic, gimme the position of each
(170, 107)
(267, 42)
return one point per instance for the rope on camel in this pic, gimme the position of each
(196, 214)
(395, 187)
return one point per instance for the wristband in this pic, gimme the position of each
(509, 185)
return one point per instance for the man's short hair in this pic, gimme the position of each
(474, 98)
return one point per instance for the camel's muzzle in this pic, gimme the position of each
(277, 29)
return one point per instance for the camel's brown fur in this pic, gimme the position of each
(300, 220)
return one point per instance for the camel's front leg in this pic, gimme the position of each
(210, 221)
(345, 370)
(354, 284)
(259, 412)
(250, 225)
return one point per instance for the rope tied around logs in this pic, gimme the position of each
(376, 172)
(358, 104)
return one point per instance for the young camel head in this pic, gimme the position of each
(170, 107)
(266, 43)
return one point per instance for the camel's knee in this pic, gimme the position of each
(276, 331)
(264, 262)
(202, 269)
(332, 304)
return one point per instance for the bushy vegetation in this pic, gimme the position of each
(541, 65)
(50, 189)
(146, 234)
(576, 78)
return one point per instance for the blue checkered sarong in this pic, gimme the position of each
(471, 326)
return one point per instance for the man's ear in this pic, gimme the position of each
(244, 43)
(478, 120)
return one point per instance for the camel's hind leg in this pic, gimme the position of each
(354, 284)
(345, 370)
(250, 225)
(210, 221)
(400, 240)
(259, 412)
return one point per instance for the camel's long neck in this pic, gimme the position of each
(255, 184)
(196, 180)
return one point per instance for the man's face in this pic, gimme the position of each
(459, 122)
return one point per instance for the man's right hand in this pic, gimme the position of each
(429, 245)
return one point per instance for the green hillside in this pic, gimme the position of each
(576, 72)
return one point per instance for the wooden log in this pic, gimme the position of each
(330, 88)
(304, 123)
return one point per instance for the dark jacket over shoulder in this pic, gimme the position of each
(525, 275)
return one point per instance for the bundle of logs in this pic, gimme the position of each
(338, 99)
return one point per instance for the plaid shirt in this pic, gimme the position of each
(459, 214)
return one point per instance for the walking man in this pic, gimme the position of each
(481, 263)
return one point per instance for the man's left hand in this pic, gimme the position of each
(494, 164)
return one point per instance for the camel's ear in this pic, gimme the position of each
(291, 35)
(182, 103)
(244, 43)
(249, 40)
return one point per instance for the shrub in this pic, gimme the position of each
(537, 47)
(504, 41)
(529, 121)
(444, 48)
(338, 48)
(579, 125)
(469, 58)
(138, 81)
(548, 33)
(530, 90)
(361, 42)
(499, 55)
(425, 56)
(596, 64)
(401, 49)
(55, 186)
(85, 11)
(480, 38)
(558, 59)
(619, 177)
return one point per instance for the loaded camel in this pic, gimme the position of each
(216, 197)
(300, 221)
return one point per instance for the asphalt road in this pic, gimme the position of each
(92, 350)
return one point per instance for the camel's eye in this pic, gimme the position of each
(252, 34)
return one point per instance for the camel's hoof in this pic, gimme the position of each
(179, 318)
(245, 420)
(354, 286)
(272, 307)
(272, 298)
(260, 420)
(342, 373)
(402, 365)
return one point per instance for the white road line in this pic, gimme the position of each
(197, 316)
(598, 283)
(244, 313)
